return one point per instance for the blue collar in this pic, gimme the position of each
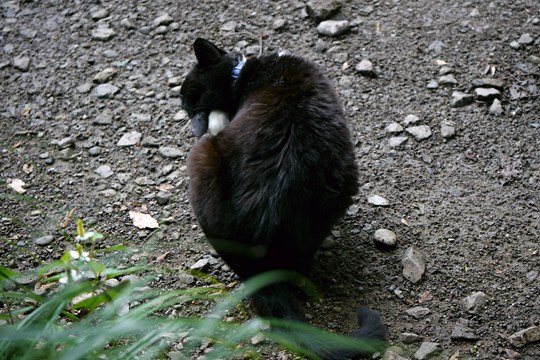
(236, 70)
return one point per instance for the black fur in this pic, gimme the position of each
(268, 188)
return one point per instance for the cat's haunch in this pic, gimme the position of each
(268, 186)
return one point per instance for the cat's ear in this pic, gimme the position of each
(206, 52)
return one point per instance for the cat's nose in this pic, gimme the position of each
(199, 124)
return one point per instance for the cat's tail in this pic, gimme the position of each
(276, 301)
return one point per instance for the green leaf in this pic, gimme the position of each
(112, 273)
(96, 267)
(7, 274)
(106, 296)
(112, 248)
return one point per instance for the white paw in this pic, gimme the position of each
(217, 121)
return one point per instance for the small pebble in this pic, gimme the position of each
(486, 94)
(413, 265)
(448, 129)
(44, 240)
(377, 200)
(496, 108)
(396, 142)
(419, 132)
(170, 152)
(385, 237)
(461, 99)
(103, 34)
(393, 128)
(333, 27)
(129, 139)
(410, 119)
(448, 80)
(418, 312)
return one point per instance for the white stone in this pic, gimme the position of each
(419, 132)
(129, 139)
(333, 27)
(377, 200)
(385, 237)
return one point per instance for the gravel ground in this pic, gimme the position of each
(443, 102)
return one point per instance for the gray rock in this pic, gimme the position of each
(144, 181)
(85, 87)
(418, 312)
(525, 39)
(445, 70)
(175, 81)
(432, 84)
(377, 200)
(135, 117)
(396, 142)
(410, 338)
(105, 91)
(427, 350)
(164, 19)
(531, 276)
(66, 142)
(461, 99)
(365, 67)
(489, 82)
(448, 80)
(419, 132)
(462, 332)
(514, 44)
(94, 151)
(526, 336)
(448, 129)
(21, 63)
(486, 94)
(160, 30)
(170, 152)
(99, 14)
(389, 354)
(474, 303)
(393, 128)
(163, 197)
(410, 119)
(129, 139)
(104, 171)
(279, 24)
(200, 265)
(496, 108)
(104, 75)
(321, 10)
(103, 34)
(127, 24)
(44, 240)
(105, 118)
(150, 141)
(333, 27)
(385, 237)
(413, 265)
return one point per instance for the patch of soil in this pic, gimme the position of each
(467, 197)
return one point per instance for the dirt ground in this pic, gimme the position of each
(467, 197)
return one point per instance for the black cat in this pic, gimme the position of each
(268, 186)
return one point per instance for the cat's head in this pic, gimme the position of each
(209, 85)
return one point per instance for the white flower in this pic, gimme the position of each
(75, 275)
(63, 280)
(85, 256)
(74, 254)
(86, 236)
